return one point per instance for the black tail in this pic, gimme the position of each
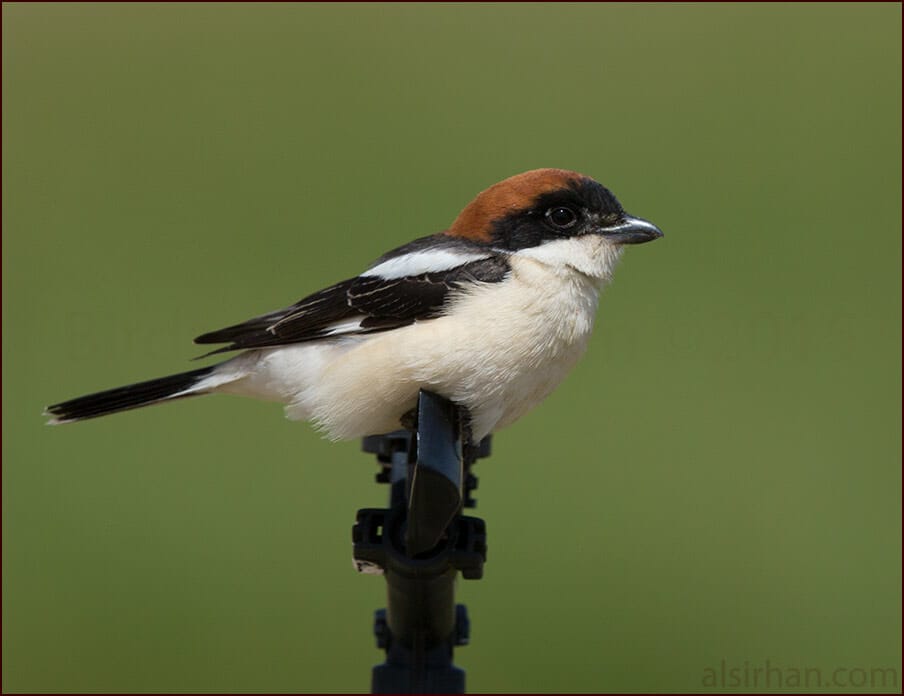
(124, 398)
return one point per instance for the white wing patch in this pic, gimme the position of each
(420, 262)
(342, 327)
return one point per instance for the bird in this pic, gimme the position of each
(491, 314)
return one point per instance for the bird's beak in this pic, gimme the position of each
(631, 230)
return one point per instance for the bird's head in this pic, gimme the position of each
(555, 216)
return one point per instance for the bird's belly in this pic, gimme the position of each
(499, 365)
(528, 390)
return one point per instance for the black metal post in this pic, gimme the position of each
(419, 544)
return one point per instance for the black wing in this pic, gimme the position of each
(361, 305)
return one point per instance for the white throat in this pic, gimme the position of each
(590, 255)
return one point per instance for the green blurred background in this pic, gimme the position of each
(718, 480)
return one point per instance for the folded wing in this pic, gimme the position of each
(399, 290)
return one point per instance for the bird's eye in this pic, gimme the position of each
(561, 217)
